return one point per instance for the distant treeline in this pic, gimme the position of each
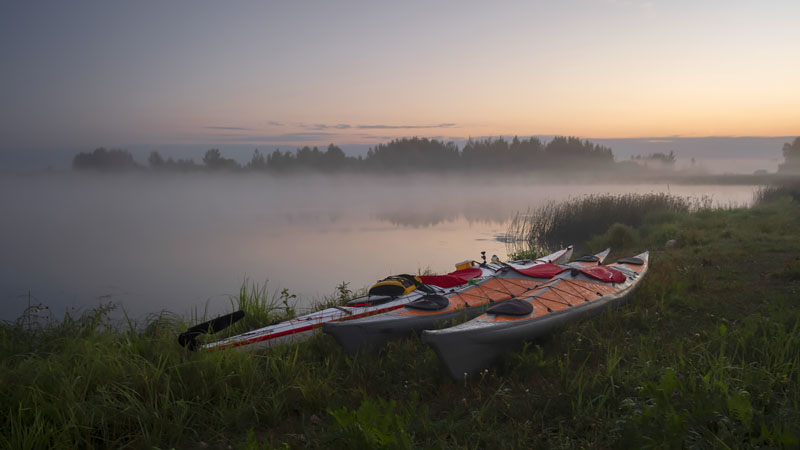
(407, 154)
(412, 154)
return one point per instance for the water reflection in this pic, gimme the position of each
(426, 215)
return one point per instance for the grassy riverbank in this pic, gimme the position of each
(706, 355)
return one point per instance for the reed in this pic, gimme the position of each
(555, 224)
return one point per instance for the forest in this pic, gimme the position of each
(414, 155)
(399, 155)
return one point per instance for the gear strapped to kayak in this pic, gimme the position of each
(395, 285)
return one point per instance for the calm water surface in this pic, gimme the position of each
(183, 242)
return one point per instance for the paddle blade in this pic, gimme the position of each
(188, 338)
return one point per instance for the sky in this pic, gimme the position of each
(146, 74)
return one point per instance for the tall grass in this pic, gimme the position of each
(263, 307)
(555, 224)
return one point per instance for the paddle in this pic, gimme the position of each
(188, 338)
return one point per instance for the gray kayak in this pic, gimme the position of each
(570, 296)
(462, 304)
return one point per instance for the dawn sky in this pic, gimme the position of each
(79, 74)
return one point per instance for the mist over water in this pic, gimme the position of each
(181, 242)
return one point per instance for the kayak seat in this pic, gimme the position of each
(514, 307)
(541, 271)
(430, 302)
(588, 258)
(369, 300)
(605, 274)
(633, 261)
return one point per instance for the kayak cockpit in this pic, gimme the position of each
(430, 302)
(514, 307)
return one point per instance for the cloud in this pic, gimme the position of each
(227, 128)
(345, 126)
(275, 123)
(404, 127)
(282, 138)
(322, 126)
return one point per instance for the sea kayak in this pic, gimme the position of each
(432, 310)
(376, 302)
(569, 296)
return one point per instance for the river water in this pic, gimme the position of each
(181, 242)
